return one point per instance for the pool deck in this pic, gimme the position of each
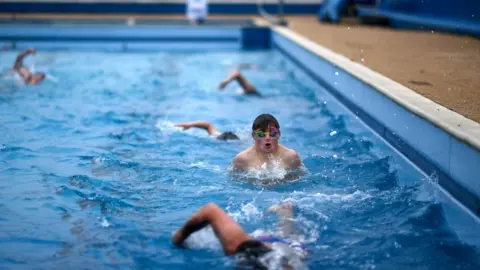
(441, 67)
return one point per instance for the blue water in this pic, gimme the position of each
(93, 174)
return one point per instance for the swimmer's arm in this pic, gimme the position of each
(225, 228)
(19, 61)
(199, 124)
(294, 161)
(240, 163)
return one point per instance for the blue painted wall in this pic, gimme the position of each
(149, 8)
(468, 10)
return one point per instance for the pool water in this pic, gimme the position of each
(94, 175)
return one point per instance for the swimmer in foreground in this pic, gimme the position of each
(247, 87)
(249, 251)
(24, 73)
(228, 135)
(267, 149)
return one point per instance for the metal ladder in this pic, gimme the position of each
(276, 20)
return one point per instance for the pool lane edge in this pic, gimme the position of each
(438, 141)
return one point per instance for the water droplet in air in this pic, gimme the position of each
(333, 133)
(336, 73)
(335, 156)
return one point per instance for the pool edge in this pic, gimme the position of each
(462, 128)
(455, 176)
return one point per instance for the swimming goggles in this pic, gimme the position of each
(261, 133)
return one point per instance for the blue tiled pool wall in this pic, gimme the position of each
(452, 163)
(154, 8)
(137, 38)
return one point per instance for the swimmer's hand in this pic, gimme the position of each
(177, 240)
(222, 85)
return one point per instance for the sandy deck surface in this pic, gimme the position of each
(442, 67)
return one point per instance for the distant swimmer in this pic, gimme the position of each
(267, 149)
(247, 87)
(250, 252)
(24, 72)
(224, 136)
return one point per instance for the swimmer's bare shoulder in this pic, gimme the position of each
(291, 158)
(242, 161)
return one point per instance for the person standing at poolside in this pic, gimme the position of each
(267, 149)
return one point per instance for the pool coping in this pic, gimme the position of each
(441, 143)
(460, 127)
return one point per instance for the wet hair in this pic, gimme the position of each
(228, 136)
(248, 255)
(264, 120)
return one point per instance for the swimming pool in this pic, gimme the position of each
(94, 174)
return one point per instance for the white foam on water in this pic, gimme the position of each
(271, 173)
(167, 126)
(32, 68)
(270, 170)
(308, 199)
(105, 223)
(247, 213)
(204, 239)
(204, 165)
(51, 78)
(206, 189)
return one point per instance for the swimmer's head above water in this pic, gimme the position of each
(267, 149)
(225, 136)
(266, 133)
